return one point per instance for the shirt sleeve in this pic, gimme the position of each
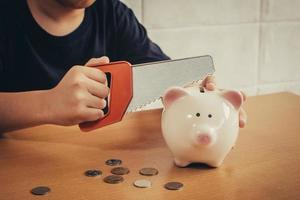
(133, 43)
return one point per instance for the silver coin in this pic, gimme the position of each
(142, 183)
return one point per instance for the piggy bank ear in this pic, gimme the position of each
(172, 94)
(234, 97)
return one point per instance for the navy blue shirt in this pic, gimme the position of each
(31, 58)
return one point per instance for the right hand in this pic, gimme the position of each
(210, 84)
(79, 97)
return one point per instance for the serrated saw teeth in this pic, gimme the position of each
(140, 107)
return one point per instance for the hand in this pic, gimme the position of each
(79, 97)
(210, 84)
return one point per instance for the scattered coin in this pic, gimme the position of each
(142, 183)
(120, 170)
(113, 179)
(93, 172)
(40, 190)
(113, 162)
(148, 171)
(173, 185)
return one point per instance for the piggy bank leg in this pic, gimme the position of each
(181, 163)
(214, 163)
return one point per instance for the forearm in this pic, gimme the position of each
(22, 109)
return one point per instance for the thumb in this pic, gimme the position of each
(93, 62)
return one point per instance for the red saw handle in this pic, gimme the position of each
(119, 97)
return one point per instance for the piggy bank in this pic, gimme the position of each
(200, 126)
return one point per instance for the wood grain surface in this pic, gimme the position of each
(265, 164)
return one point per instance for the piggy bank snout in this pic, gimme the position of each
(205, 137)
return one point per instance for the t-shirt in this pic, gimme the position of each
(32, 59)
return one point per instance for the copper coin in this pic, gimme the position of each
(113, 179)
(41, 190)
(173, 185)
(120, 170)
(92, 172)
(113, 162)
(142, 183)
(148, 171)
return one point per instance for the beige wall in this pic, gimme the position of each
(255, 43)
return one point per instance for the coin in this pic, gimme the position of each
(113, 162)
(142, 183)
(92, 172)
(173, 185)
(113, 179)
(40, 190)
(148, 171)
(120, 170)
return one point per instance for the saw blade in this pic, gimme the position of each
(150, 80)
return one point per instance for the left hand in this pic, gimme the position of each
(210, 84)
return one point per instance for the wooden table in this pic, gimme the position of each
(265, 164)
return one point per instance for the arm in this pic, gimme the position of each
(23, 109)
(79, 97)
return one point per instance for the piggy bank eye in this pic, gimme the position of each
(197, 114)
(210, 115)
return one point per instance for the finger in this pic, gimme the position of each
(208, 79)
(97, 89)
(210, 86)
(97, 61)
(95, 102)
(209, 83)
(242, 118)
(244, 95)
(95, 74)
(92, 114)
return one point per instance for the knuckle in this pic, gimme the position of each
(78, 81)
(76, 68)
(78, 100)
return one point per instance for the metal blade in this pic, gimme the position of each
(150, 80)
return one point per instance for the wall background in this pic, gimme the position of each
(255, 44)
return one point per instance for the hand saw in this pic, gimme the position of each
(133, 86)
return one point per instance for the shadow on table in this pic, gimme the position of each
(199, 166)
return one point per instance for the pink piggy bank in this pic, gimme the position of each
(200, 126)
